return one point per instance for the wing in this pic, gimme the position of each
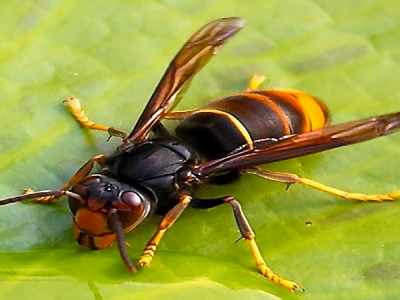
(303, 144)
(193, 55)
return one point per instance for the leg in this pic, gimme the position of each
(289, 178)
(79, 175)
(74, 107)
(248, 234)
(166, 222)
(255, 82)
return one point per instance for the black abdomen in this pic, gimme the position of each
(226, 124)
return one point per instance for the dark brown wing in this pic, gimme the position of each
(194, 54)
(303, 144)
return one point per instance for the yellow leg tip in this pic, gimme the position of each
(255, 81)
(73, 104)
(147, 256)
(145, 261)
(349, 196)
(365, 197)
(292, 286)
(269, 274)
(394, 195)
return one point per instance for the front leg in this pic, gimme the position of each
(79, 175)
(166, 222)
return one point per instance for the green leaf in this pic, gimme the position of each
(111, 55)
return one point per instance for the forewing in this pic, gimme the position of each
(303, 144)
(194, 55)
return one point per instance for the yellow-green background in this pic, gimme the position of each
(111, 54)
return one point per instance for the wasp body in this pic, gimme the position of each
(154, 170)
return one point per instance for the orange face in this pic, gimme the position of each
(103, 196)
(91, 229)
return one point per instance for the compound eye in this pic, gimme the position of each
(131, 198)
(132, 208)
